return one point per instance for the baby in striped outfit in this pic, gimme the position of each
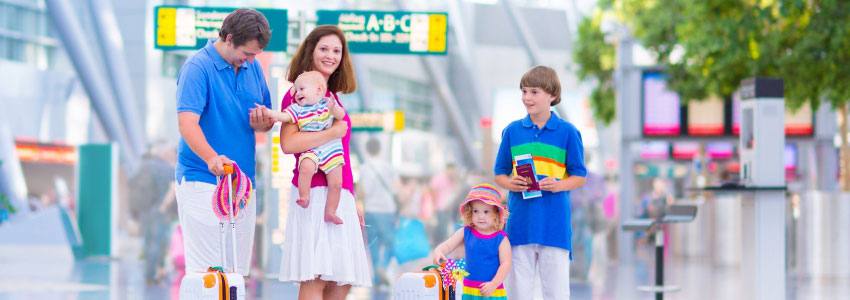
(313, 112)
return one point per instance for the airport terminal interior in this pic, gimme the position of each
(714, 137)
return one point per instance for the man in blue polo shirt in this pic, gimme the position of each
(218, 91)
(539, 227)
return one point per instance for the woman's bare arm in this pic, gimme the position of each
(294, 141)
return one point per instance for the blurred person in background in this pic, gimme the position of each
(654, 204)
(377, 185)
(444, 189)
(587, 221)
(151, 193)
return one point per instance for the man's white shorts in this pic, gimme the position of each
(551, 264)
(202, 233)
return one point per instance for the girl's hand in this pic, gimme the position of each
(439, 256)
(518, 184)
(550, 184)
(488, 288)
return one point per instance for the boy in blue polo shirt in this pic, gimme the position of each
(539, 227)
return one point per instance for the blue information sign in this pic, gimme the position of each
(188, 28)
(390, 32)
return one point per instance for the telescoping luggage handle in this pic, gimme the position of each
(227, 212)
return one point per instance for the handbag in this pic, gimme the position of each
(411, 241)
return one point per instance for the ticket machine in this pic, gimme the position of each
(761, 148)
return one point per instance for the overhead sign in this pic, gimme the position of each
(188, 28)
(46, 153)
(390, 32)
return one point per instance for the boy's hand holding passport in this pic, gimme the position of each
(525, 168)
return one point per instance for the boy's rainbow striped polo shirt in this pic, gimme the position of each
(558, 152)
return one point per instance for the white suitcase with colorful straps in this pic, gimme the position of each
(425, 285)
(212, 285)
(216, 283)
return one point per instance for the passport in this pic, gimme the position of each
(525, 168)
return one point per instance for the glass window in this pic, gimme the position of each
(14, 20)
(30, 21)
(4, 46)
(29, 24)
(412, 97)
(3, 15)
(16, 50)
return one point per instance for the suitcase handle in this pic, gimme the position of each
(431, 267)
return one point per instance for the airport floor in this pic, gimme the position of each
(46, 278)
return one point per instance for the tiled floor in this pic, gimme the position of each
(47, 278)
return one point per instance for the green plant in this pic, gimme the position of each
(707, 47)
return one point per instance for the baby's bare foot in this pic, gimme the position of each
(332, 218)
(303, 202)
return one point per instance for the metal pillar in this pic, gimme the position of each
(628, 91)
(763, 256)
(448, 100)
(12, 182)
(112, 48)
(76, 45)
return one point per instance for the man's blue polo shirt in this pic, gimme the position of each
(208, 86)
(557, 152)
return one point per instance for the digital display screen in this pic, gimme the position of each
(705, 118)
(661, 107)
(798, 123)
(790, 157)
(685, 150)
(654, 150)
(719, 150)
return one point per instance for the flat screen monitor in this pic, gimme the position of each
(655, 150)
(790, 157)
(685, 150)
(719, 150)
(705, 118)
(661, 106)
(797, 123)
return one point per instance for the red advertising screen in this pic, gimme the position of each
(685, 150)
(661, 111)
(798, 123)
(705, 118)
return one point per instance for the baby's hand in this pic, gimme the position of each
(331, 104)
(488, 288)
(336, 110)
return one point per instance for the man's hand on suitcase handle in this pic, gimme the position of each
(216, 165)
